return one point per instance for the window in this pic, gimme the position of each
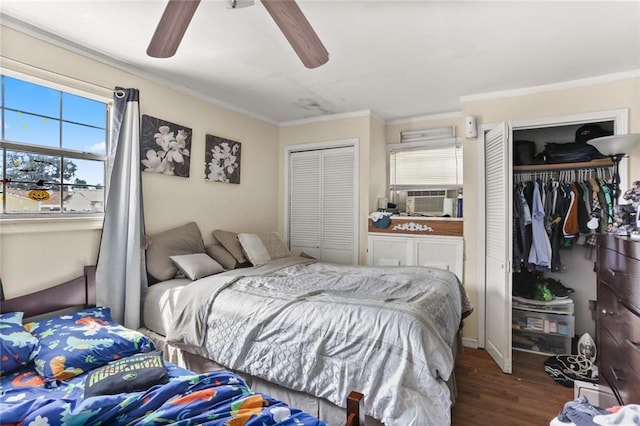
(53, 146)
(423, 175)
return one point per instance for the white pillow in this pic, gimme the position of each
(261, 248)
(197, 265)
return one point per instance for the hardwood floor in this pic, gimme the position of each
(486, 396)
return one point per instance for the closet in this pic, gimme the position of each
(322, 203)
(501, 176)
(552, 273)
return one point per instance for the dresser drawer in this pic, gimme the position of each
(621, 274)
(616, 318)
(616, 368)
(622, 245)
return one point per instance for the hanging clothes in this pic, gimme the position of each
(608, 196)
(540, 253)
(522, 214)
(551, 214)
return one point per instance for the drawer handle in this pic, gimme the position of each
(615, 273)
(617, 374)
(635, 346)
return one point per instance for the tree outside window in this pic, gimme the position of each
(52, 150)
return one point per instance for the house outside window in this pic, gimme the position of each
(53, 149)
(425, 177)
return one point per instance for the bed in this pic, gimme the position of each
(71, 364)
(310, 332)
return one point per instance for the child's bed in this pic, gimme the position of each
(78, 367)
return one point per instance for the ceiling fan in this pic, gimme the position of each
(286, 13)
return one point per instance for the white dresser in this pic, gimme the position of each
(418, 241)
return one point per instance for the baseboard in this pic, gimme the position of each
(470, 343)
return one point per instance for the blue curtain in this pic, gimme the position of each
(121, 277)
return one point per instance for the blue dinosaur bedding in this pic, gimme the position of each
(218, 398)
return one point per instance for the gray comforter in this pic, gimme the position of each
(327, 329)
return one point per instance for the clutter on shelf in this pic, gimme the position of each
(535, 286)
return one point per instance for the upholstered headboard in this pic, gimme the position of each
(80, 291)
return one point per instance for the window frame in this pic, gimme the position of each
(65, 85)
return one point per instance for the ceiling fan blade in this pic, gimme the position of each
(298, 31)
(171, 28)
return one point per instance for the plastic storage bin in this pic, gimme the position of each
(542, 332)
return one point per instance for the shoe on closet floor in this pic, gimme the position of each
(558, 290)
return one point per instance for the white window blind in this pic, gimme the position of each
(426, 165)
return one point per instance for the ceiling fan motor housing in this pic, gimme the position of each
(237, 4)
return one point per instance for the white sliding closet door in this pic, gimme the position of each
(498, 225)
(322, 204)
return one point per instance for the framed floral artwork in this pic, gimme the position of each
(165, 147)
(221, 160)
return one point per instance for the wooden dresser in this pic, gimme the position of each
(618, 326)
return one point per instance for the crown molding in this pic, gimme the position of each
(591, 81)
(48, 37)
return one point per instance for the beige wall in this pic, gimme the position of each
(378, 159)
(44, 256)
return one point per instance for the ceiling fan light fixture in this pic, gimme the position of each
(238, 4)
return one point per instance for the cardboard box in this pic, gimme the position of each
(598, 395)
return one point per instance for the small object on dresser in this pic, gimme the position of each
(380, 219)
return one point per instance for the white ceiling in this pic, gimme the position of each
(396, 58)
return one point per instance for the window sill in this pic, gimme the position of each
(23, 225)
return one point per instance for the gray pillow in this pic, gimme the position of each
(222, 256)
(261, 248)
(229, 241)
(185, 239)
(197, 265)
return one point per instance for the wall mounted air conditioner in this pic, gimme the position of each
(429, 203)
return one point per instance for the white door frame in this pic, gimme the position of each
(620, 118)
(316, 146)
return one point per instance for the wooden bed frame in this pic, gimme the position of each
(81, 292)
(355, 409)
